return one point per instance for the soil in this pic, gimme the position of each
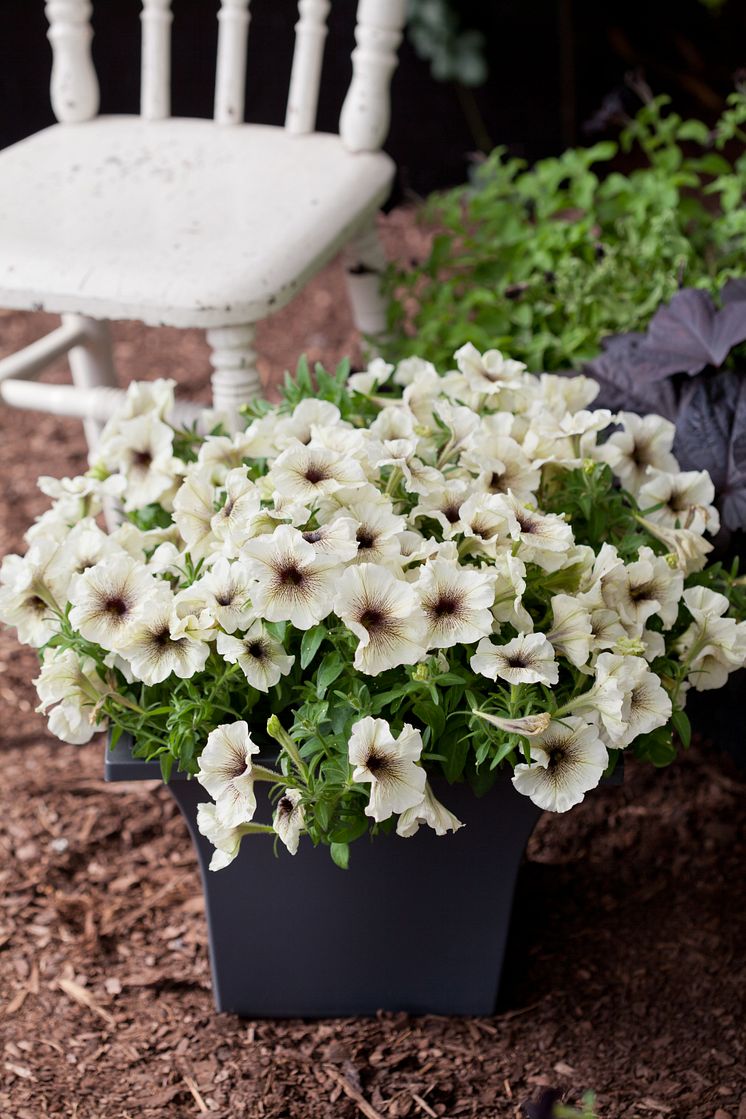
(626, 968)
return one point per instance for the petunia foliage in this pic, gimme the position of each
(387, 582)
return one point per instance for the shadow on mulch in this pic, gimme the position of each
(625, 972)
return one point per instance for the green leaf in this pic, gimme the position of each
(682, 726)
(310, 643)
(167, 764)
(329, 669)
(340, 853)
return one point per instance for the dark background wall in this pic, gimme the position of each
(551, 64)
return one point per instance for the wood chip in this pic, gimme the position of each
(357, 1098)
(84, 998)
(424, 1106)
(192, 1086)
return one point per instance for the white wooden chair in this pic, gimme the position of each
(188, 223)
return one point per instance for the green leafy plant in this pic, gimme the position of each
(544, 262)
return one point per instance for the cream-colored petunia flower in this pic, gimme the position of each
(262, 658)
(155, 647)
(233, 523)
(429, 811)
(336, 538)
(572, 629)
(527, 659)
(643, 588)
(544, 538)
(28, 596)
(194, 508)
(714, 645)
(680, 500)
(567, 761)
(225, 590)
(294, 582)
(307, 473)
(226, 840)
(644, 443)
(225, 771)
(489, 372)
(456, 602)
(385, 614)
(109, 597)
(389, 765)
(377, 530)
(65, 676)
(289, 819)
(142, 450)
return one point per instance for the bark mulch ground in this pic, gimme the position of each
(626, 970)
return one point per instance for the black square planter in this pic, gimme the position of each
(416, 924)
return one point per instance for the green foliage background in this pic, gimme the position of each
(544, 262)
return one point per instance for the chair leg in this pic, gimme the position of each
(91, 363)
(366, 264)
(236, 377)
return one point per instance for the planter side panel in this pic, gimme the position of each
(416, 924)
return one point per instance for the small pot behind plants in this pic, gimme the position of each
(417, 925)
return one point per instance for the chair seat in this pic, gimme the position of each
(180, 222)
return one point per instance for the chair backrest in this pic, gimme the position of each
(366, 111)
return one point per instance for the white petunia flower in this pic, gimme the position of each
(647, 706)
(544, 538)
(385, 614)
(489, 372)
(262, 658)
(289, 819)
(643, 588)
(233, 522)
(307, 473)
(509, 590)
(64, 676)
(27, 596)
(431, 812)
(71, 722)
(225, 771)
(411, 368)
(109, 597)
(567, 761)
(713, 645)
(645, 443)
(606, 629)
(336, 538)
(608, 699)
(688, 548)
(680, 500)
(226, 840)
(572, 630)
(527, 659)
(294, 582)
(377, 373)
(502, 466)
(443, 505)
(85, 545)
(485, 523)
(142, 450)
(225, 591)
(389, 764)
(156, 646)
(307, 415)
(194, 508)
(377, 530)
(456, 602)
